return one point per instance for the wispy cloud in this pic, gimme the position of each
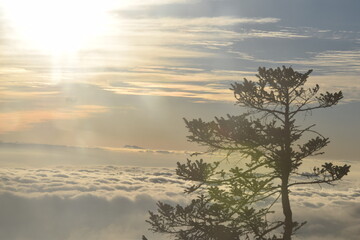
(20, 120)
(340, 62)
(333, 62)
(9, 94)
(209, 92)
(171, 22)
(134, 148)
(199, 84)
(187, 49)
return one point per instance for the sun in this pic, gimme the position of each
(57, 26)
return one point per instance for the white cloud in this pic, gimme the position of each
(109, 202)
(84, 217)
(140, 3)
(106, 182)
(171, 23)
(332, 221)
(83, 203)
(344, 62)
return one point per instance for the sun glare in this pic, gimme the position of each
(59, 26)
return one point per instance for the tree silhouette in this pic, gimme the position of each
(237, 203)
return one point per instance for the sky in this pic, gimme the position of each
(105, 85)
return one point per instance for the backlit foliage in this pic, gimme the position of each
(237, 203)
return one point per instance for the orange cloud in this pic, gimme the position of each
(19, 120)
(17, 94)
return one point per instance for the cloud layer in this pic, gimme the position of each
(112, 202)
(83, 203)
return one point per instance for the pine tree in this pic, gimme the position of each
(236, 204)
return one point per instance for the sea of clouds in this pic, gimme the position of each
(112, 202)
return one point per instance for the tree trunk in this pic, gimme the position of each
(286, 170)
(288, 223)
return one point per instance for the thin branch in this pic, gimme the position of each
(314, 182)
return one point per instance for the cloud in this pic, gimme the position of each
(47, 147)
(20, 120)
(188, 50)
(21, 95)
(206, 46)
(209, 92)
(324, 62)
(108, 181)
(152, 80)
(47, 155)
(335, 222)
(165, 32)
(171, 22)
(111, 202)
(84, 217)
(141, 3)
(83, 203)
(341, 62)
(133, 147)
